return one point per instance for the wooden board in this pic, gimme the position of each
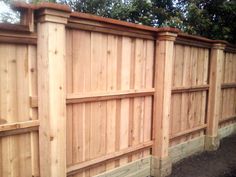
(103, 63)
(188, 110)
(18, 78)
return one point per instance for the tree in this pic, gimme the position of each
(215, 19)
(147, 12)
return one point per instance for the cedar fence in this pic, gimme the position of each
(82, 95)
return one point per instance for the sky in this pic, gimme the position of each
(5, 9)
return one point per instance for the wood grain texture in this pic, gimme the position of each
(189, 92)
(17, 152)
(96, 95)
(228, 101)
(112, 77)
(51, 93)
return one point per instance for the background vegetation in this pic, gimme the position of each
(215, 19)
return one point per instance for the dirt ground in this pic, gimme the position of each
(220, 163)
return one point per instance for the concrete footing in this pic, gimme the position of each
(212, 143)
(161, 167)
(156, 167)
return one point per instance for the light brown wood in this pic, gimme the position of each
(94, 97)
(52, 94)
(186, 132)
(73, 168)
(228, 85)
(107, 30)
(19, 125)
(227, 119)
(190, 89)
(101, 102)
(216, 66)
(17, 38)
(78, 98)
(162, 96)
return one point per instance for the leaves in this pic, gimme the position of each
(214, 19)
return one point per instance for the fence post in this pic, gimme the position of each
(213, 111)
(51, 20)
(161, 164)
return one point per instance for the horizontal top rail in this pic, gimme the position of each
(18, 38)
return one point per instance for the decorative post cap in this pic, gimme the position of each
(219, 44)
(52, 12)
(167, 33)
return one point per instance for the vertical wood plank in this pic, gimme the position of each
(148, 100)
(125, 103)
(98, 109)
(111, 105)
(22, 79)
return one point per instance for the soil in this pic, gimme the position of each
(220, 163)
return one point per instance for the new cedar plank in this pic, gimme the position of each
(118, 102)
(4, 72)
(69, 85)
(78, 147)
(223, 91)
(172, 112)
(205, 81)
(177, 82)
(197, 76)
(33, 114)
(87, 88)
(186, 82)
(12, 113)
(148, 100)
(125, 103)
(143, 80)
(199, 81)
(111, 105)
(138, 106)
(98, 109)
(193, 97)
(180, 81)
(132, 86)
(23, 108)
(232, 89)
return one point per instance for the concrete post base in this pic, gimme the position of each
(161, 167)
(212, 143)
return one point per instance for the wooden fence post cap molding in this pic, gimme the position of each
(21, 6)
(219, 45)
(52, 12)
(167, 34)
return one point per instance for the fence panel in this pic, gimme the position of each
(189, 92)
(109, 95)
(228, 100)
(18, 122)
(101, 94)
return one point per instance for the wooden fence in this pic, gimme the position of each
(82, 95)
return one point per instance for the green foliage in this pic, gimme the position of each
(215, 19)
